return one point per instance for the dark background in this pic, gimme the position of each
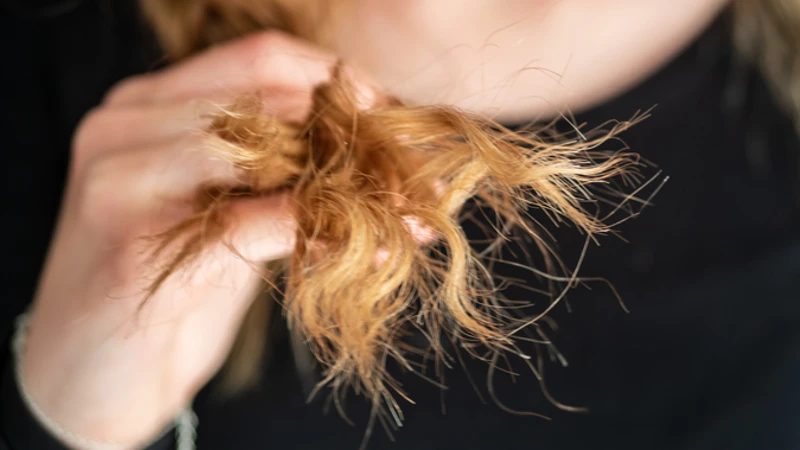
(708, 358)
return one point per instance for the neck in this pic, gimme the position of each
(516, 60)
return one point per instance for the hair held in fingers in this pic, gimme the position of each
(377, 191)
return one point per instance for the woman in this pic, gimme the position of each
(704, 360)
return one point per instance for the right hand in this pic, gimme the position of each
(95, 364)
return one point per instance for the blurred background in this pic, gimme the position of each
(708, 357)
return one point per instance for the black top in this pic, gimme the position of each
(708, 357)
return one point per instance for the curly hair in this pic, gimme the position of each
(362, 181)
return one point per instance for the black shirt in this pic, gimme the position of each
(707, 358)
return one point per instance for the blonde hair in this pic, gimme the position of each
(362, 179)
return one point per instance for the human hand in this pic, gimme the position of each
(100, 361)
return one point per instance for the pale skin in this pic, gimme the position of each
(137, 159)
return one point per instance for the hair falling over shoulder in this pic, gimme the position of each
(363, 183)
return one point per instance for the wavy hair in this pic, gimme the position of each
(362, 181)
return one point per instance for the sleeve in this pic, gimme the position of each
(19, 430)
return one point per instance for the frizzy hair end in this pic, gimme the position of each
(362, 180)
(362, 183)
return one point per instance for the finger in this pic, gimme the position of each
(262, 229)
(420, 233)
(110, 129)
(146, 178)
(265, 60)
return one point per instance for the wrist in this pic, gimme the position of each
(84, 426)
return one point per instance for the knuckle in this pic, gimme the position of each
(269, 39)
(86, 134)
(126, 90)
(106, 196)
(97, 192)
(269, 58)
